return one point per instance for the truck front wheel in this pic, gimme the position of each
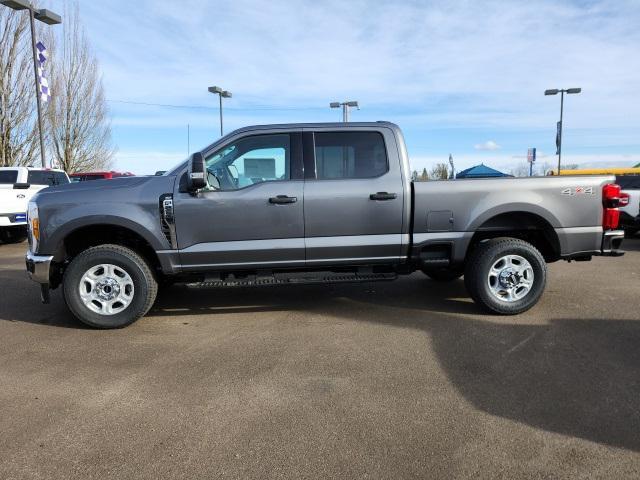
(109, 286)
(505, 275)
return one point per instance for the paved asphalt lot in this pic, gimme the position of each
(384, 380)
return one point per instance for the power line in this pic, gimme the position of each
(204, 107)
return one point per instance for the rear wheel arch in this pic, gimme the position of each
(527, 226)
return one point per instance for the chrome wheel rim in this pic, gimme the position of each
(510, 278)
(106, 289)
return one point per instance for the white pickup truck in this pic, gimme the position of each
(17, 186)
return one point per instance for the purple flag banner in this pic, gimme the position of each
(45, 93)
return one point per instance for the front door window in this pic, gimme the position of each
(249, 161)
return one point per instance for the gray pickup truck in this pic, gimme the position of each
(310, 203)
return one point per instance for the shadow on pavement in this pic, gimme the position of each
(631, 244)
(576, 377)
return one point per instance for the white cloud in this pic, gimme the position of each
(434, 57)
(428, 66)
(488, 145)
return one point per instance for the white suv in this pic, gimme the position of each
(17, 186)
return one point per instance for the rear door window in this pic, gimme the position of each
(48, 178)
(8, 177)
(350, 155)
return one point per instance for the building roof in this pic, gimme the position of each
(480, 171)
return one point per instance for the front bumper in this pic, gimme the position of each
(611, 242)
(13, 219)
(39, 268)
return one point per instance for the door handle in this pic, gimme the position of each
(282, 199)
(382, 196)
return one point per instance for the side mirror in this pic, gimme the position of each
(21, 186)
(196, 175)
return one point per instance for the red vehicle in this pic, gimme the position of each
(82, 177)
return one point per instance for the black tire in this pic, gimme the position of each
(444, 274)
(479, 265)
(631, 232)
(145, 287)
(13, 235)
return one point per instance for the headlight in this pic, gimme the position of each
(33, 221)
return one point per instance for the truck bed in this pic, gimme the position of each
(455, 210)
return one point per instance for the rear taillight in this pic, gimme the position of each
(611, 196)
(624, 199)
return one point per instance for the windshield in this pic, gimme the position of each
(8, 177)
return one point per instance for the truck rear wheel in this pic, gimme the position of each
(505, 275)
(109, 286)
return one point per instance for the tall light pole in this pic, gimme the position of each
(50, 18)
(345, 108)
(221, 93)
(555, 91)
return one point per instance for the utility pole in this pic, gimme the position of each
(555, 91)
(221, 93)
(50, 18)
(345, 108)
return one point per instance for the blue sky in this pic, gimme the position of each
(463, 77)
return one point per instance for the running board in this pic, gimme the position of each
(291, 279)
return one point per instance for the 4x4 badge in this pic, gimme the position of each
(572, 191)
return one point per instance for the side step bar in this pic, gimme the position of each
(231, 281)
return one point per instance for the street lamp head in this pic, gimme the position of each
(16, 4)
(574, 90)
(351, 103)
(226, 94)
(48, 17)
(553, 91)
(215, 90)
(334, 105)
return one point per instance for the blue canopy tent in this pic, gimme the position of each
(480, 171)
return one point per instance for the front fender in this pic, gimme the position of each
(146, 229)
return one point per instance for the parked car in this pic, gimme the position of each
(630, 208)
(310, 203)
(17, 186)
(83, 177)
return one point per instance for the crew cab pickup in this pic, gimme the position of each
(17, 186)
(310, 203)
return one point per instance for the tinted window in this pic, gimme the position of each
(8, 177)
(628, 182)
(44, 177)
(350, 155)
(250, 160)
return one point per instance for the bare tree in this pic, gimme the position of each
(521, 170)
(79, 127)
(18, 132)
(440, 172)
